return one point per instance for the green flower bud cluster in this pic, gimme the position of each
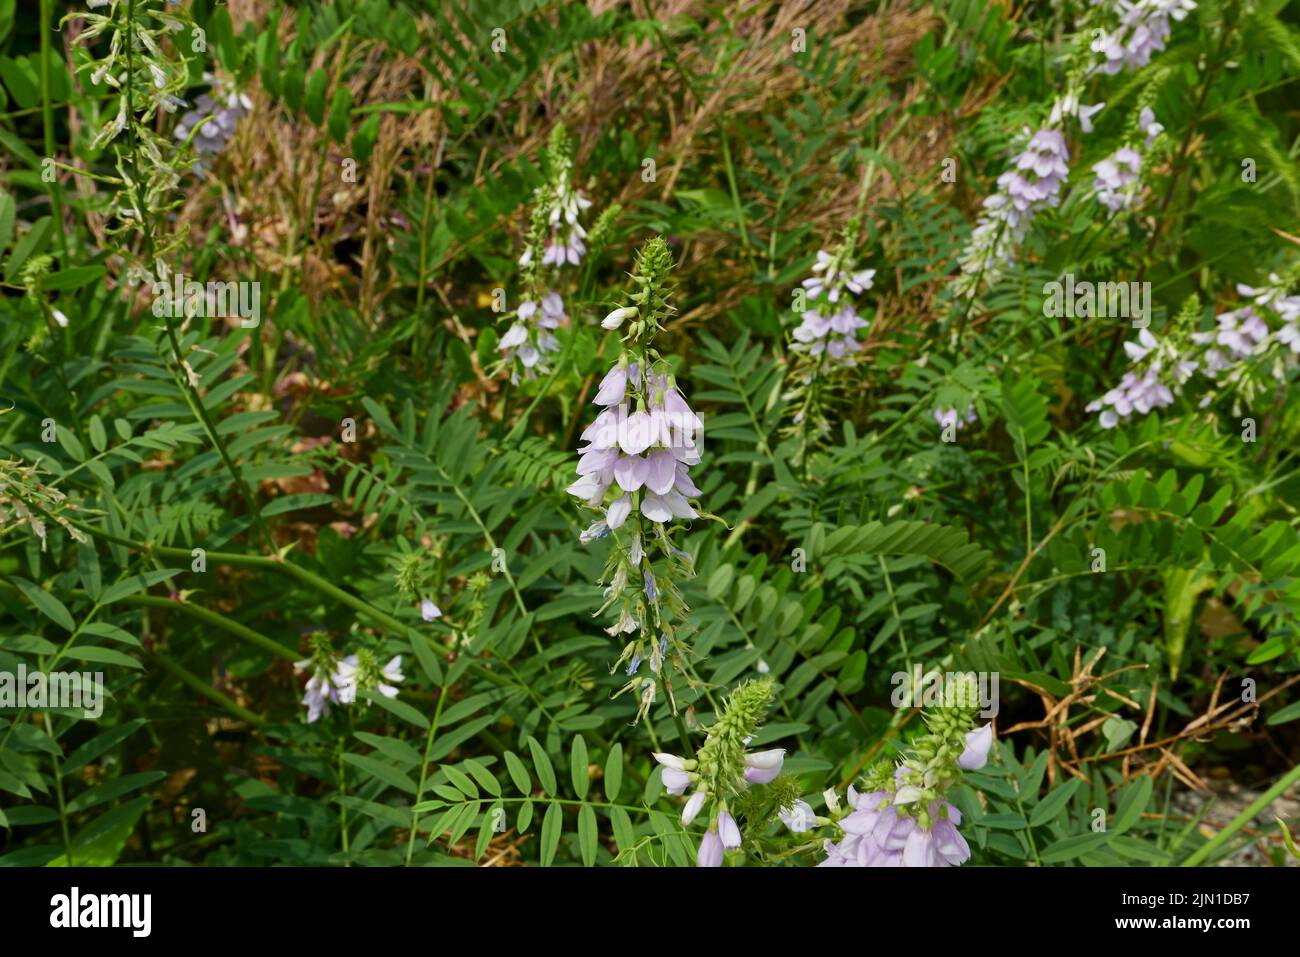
(721, 759)
(931, 767)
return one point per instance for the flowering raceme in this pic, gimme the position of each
(1142, 31)
(1032, 183)
(529, 342)
(561, 207)
(1236, 355)
(723, 768)
(828, 327)
(634, 470)
(335, 681)
(1118, 182)
(825, 341)
(903, 820)
(1036, 175)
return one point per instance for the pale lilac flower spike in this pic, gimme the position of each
(1143, 30)
(978, 743)
(832, 329)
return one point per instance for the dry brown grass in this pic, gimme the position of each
(283, 199)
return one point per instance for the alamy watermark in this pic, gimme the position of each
(75, 909)
(187, 298)
(53, 689)
(1098, 300)
(919, 688)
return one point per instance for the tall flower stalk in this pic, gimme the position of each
(147, 69)
(1112, 36)
(634, 471)
(555, 239)
(825, 342)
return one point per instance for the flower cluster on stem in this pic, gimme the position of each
(336, 681)
(825, 342)
(555, 238)
(634, 470)
(723, 768)
(1248, 347)
(1035, 179)
(903, 819)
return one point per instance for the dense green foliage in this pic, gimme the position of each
(190, 505)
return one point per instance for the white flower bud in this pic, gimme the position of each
(615, 318)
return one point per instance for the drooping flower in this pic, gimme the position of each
(321, 692)
(798, 817)
(976, 754)
(360, 671)
(711, 851)
(763, 767)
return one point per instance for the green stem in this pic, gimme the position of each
(1244, 818)
(209, 692)
(47, 119)
(268, 564)
(58, 793)
(187, 388)
(424, 773)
